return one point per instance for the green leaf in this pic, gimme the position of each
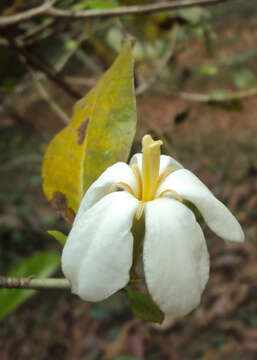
(40, 265)
(95, 4)
(144, 307)
(100, 134)
(59, 236)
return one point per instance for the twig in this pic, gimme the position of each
(34, 284)
(81, 38)
(21, 160)
(37, 30)
(37, 64)
(31, 283)
(33, 35)
(130, 10)
(162, 63)
(53, 105)
(218, 98)
(63, 61)
(48, 10)
(88, 82)
(12, 113)
(26, 15)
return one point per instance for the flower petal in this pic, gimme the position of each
(217, 215)
(119, 172)
(169, 162)
(165, 162)
(176, 259)
(97, 256)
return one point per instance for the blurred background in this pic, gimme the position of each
(195, 79)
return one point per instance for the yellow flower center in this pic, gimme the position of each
(150, 166)
(150, 179)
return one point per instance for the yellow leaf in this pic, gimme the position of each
(100, 133)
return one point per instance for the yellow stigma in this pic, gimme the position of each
(150, 166)
(149, 180)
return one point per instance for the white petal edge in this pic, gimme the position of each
(217, 216)
(119, 172)
(176, 259)
(98, 253)
(165, 162)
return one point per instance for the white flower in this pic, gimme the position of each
(98, 255)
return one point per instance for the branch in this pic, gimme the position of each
(38, 64)
(130, 10)
(35, 284)
(64, 60)
(33, 35)
(26, 15)
(216, 98)
(47, 10)
(40, 284)
(21, 160)
(53, 105)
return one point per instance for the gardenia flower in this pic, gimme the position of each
(98, 255)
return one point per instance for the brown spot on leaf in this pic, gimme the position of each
(82, 131)
(59, 203)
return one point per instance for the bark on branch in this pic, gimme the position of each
(130, 10)
(41, 65)
(26, 15)
(216, 98)
(35, 284)
(47, 9)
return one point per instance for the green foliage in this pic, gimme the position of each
(40, 265)
(144, 307)
(59, 236)
(95, 4)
